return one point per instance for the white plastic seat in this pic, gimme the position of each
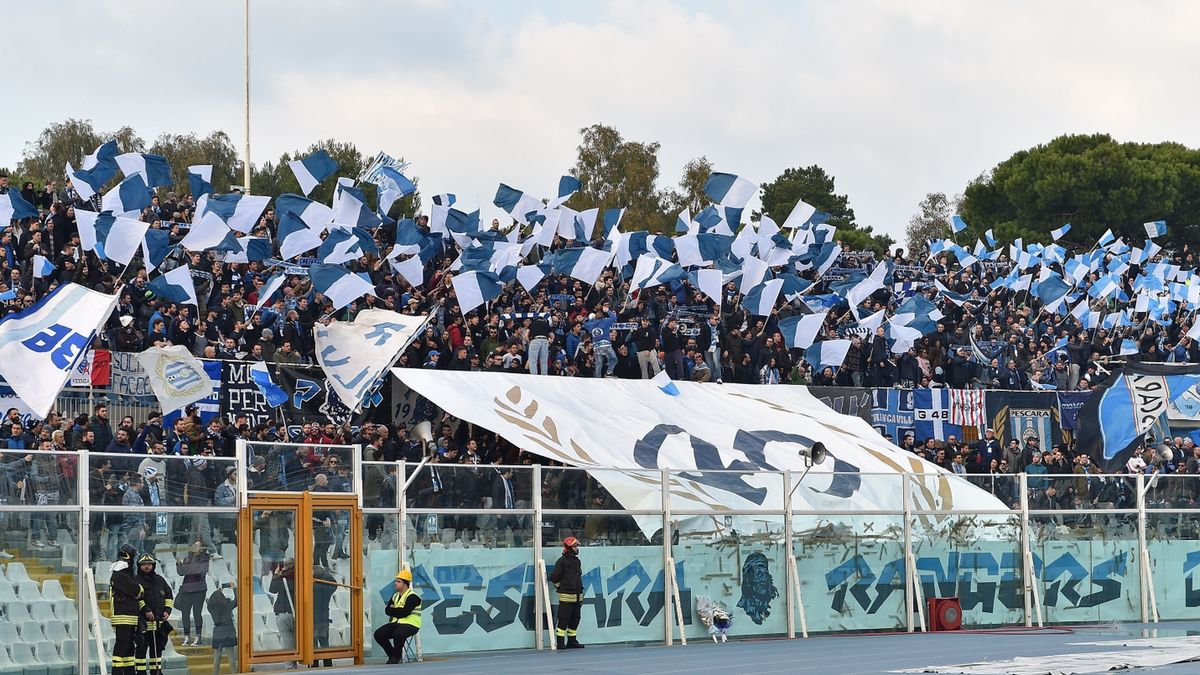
(28, 591)
(16, 572)
(22, 655)
(56, 631)
(41, 610)
(7, 667)
(31, 632)
(267, 642)
(17, 612)
(64, 610)
(52, 590)
(7, 592)
(8, 633)
(263, 604)
(47, 654)
(103, 572)
(268, 621)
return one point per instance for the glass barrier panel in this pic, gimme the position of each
(601, 489)
(1088, 566)
(298, 467)
(442, 485)
(39, 590)
(1172, 540)
(1172, 491)
(976, 558)
(718, 491)
(623, 599)
(380, 564)
(740, 566)
(1003, 486)
(331, 579)
(135, 481)
(851, 571)
(477, 592)
(274, 591)
(38, 477)
(380, 484)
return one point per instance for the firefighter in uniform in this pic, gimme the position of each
(157, 603)
(567, 577)
(404, 610)
(125, 593)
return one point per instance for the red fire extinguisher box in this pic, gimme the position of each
(945, 614)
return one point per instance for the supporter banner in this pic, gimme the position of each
(355, 354)
(1069, 403)
(892, 414)
(1186, 408)
(311, 400)
(40, 346)
(9, 400)
(475, 601)
(241, 396)
(209, 406)
(177, 377)
(129, 378)
(704, 427)
(931, 415)
(101, 368)
(81, 374)
(408, 407)
(1021, 414)
(373, 173)
(845, 400)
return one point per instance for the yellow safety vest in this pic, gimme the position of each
(414, 617)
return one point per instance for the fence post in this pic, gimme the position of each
(539, 607)
(1141, 534)
(243, 481)
(909, 574)
(83, 542)
(668, 632)
(787, 544)
(401, 516)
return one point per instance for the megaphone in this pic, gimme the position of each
(814, 455)
(423, 432)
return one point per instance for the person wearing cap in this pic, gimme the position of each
(157, 603)
(567, 577)
(986, 449)
(125, 594)
(404, 612)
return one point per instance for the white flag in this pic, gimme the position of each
(40, 348)
(177, 377)
(355, 354)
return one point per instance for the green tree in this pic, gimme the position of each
(184, 150)
(276, 178)
(616, 173)
(691, 195)
(812, 185)
(46, 157)
(1092, 182)
(933, 222)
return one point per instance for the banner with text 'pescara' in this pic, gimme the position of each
(609, 423)
(355, 354)
(40, 346)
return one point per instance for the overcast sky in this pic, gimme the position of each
(894, 98)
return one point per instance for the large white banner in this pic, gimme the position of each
(706, 430)
(177, 377)
(355, 354)
(40, 347)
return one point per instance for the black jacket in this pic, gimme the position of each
(157, 596)
(567, 575)
(126, 594)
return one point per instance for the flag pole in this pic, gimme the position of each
(246, 165)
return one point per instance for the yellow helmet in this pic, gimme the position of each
(406, 575)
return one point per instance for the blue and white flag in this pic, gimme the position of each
(869, 285)
(41, 346)
(584, 263)
(516, 203)
(931, 414)
(269, 289)
(412, 269)
(663, 381)
(250, 249)
(761, 299)
(957, 223)
(42, 267)
(445, 199)
(339, 285)
(800, 331)
(261, 377)
(651, 272)
(991, 238)
(1157, 228)
(130, 196)
(529, 276)
(175, 286)
(1057, 234)
(612, 219)
(567, 186)
(350, 209)
(342, 246)
(88, 183)
(475, 288)
(1128, 348)
(311, 170)
(355, 354)
(827, 353)
(14, 207)
(395, 185)
(154, 169)
(177, 377)
(104, 158)
(239, 212)
(122, 238)
(314, 214)
(1117, 416)
(1105, 239)
(200, 180)
(728, 189)
(206, 233)
(295, 236)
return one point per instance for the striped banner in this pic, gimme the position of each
(966, 407)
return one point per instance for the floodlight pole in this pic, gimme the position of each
(246, 159)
